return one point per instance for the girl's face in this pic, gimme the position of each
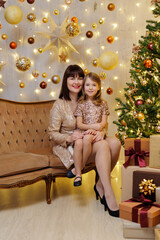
(90, 88)
(75, 84)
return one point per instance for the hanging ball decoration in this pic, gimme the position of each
(23, 64)
(144, 82)
(44, 75)
(21, 0)
(86, 71)
(139, 102)
(158, 128)
(101, 21)
(30, 40)
(148, 63)
(95, 62)
(74, 19)
(89, 34)
(13, 45)
(4, 36)
(150, 46)
(109, 91)
(94, 25)
(116, 134)
(22, 85)
(44, 20)
(108, 60)
(111, 7)
(148, 101)
(123, 122)
(43, 84)
(72, 29)
(158, 115)
(102, 75)
(140, 116)
(31, 17)
(40, 50)
(0, 26)
(30, 1)
(35, 73)
(55, 79)
(56, 12)
(110, 39)
(13, 14)
(68, 2)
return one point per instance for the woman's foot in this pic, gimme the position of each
(98, 195)
(113, 213)
(77, 181)
(110, 204)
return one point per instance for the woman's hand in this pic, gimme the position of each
(74, 136)
(98, 136)
(90, 131)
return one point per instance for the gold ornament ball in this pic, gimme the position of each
(22, 85)
(31, 17)
(55, 79)
(108, 60)
(140, 116)
(23, 64)
(13, 14)
(95, 62)
(44, 75)
(72, 29)
(40, 50)
(86, 71)
(158, 115)
(123, 122)
(35, 73)
(110, 39)
(56, 12)
(68, 2)
(44, 20)
(116, 134)
(111, 7)
(4, 36)
(148, 63)
(158, 128)
(101, 21)
(102, 75)
(94, 25)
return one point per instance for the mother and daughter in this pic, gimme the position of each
(77, 126)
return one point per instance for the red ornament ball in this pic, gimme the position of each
(148, 63)
(110, 39)
(139, 102)
(150, 46)
(30, 1)
(74, 19)
(43, 85)
(89, 34)
(30, 40)
(109, 91)
(13, 45)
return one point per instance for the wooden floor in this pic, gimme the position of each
(74, 213)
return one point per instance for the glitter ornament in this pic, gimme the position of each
(94, 25)
(44, 20)
(109, 91)
(35, 73)
(111, 7)
(139, 102)
(30, 40)
(74, 19)
(43, 85)
(4, 36)
(23, 64)
(31, 17)
(140, 116)
(102, 75)
(30, 1)
(13, 45)
(40, 50)
(21, 85)
(110, 39)
(89, 34)
(150, 46)
(86, 71)
(68, 2)
(148, 63)
(44, 75)
(56, 12)
(101, 21)
(55, 79)
(13, 14)
(72, 29)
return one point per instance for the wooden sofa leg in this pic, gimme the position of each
(48, 181)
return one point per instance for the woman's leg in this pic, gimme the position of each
(77, 157)
(115, 147)
(87, 148)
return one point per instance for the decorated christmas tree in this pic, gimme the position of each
(139, 114)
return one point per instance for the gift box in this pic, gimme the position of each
(138, 176)
(157, 233)
(154, 151)
(127, 179)
(147, 216)
(137, 152)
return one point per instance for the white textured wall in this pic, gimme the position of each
(131, 21)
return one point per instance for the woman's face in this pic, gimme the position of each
(75, 84)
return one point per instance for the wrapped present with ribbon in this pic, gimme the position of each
(137, 152)
(147, 188)
(142, 211)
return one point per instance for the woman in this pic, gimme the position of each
(62, 130)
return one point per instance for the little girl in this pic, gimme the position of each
(91, 116)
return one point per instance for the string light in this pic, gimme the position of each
(138, 4)
(52, 94)
(37, 91)
(88, 51)
(1, 89)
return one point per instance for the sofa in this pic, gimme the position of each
(26, 155)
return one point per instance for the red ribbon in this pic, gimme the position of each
(137, 154)
(145, 204)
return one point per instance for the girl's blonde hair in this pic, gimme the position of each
(97, 98)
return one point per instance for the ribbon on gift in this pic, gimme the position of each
(145, 205)
(137, 154)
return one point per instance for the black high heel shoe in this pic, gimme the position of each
(111, 212)
(97, 195)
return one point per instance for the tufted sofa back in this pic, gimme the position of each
(23, 127)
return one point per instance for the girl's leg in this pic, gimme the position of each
(87, 148)
(77, 157)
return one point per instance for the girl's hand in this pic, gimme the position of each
(74, 136)
(90, 131)
(98, 136)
